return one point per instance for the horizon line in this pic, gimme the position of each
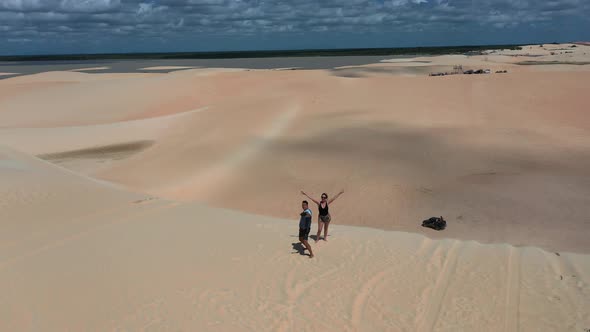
(352, 49)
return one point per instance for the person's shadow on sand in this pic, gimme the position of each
(299, 249)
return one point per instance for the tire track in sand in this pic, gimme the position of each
(571, 282)
(360, 301)
(439, 290)
(294, 291)
(512, 305)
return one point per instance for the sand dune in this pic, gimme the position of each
(77, 104)
(70, 138)
(144, 263)
(494, 162)
(549, 57)
(91, 69)
(117, 189)
(166, 68)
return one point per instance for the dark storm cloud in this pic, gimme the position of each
(34, 21)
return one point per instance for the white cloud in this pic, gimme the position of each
(145, 8)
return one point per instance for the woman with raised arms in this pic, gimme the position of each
(324, 217)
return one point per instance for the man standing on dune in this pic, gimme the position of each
(305, 227)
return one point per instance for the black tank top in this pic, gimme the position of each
(323, 211)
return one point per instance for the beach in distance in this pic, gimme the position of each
(164, 195)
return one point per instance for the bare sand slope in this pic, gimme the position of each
(504, 158)
(100, 99)
(88, 149)
(81, 255)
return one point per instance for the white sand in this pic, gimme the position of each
(125, 231)
(91, 69)
(496, 167)
(166, 68)
(119, 261)
(563, 56)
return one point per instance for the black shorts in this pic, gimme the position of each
(304, 233)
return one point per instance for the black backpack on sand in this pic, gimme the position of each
(435, 223)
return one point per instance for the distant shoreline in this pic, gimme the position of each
(262, 54)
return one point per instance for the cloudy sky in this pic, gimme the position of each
(96, 26)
